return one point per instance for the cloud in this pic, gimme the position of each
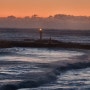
(58, 21)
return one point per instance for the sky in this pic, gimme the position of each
(44, 8)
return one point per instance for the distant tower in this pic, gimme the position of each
(40, 31)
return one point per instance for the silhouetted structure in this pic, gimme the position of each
(40, 30)
(43, 43)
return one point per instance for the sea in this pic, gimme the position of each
(45, 68)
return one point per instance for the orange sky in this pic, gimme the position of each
(21, 8)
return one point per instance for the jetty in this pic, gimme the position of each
(42, 43)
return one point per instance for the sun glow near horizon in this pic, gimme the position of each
(44, 8)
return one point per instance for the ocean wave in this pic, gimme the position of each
(36, 79)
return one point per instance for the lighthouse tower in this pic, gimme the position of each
(40, 31)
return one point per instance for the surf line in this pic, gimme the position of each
(48, 76)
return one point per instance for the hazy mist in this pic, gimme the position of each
(58, 21)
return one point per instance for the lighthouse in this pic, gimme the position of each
(40, 32)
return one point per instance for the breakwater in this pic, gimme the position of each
(42, 43)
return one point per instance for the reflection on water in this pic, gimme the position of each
(44, 55)
(76, 78)
(33, 58)
(37, 55)
(19, 69)
(79, 79)
(71, 80)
